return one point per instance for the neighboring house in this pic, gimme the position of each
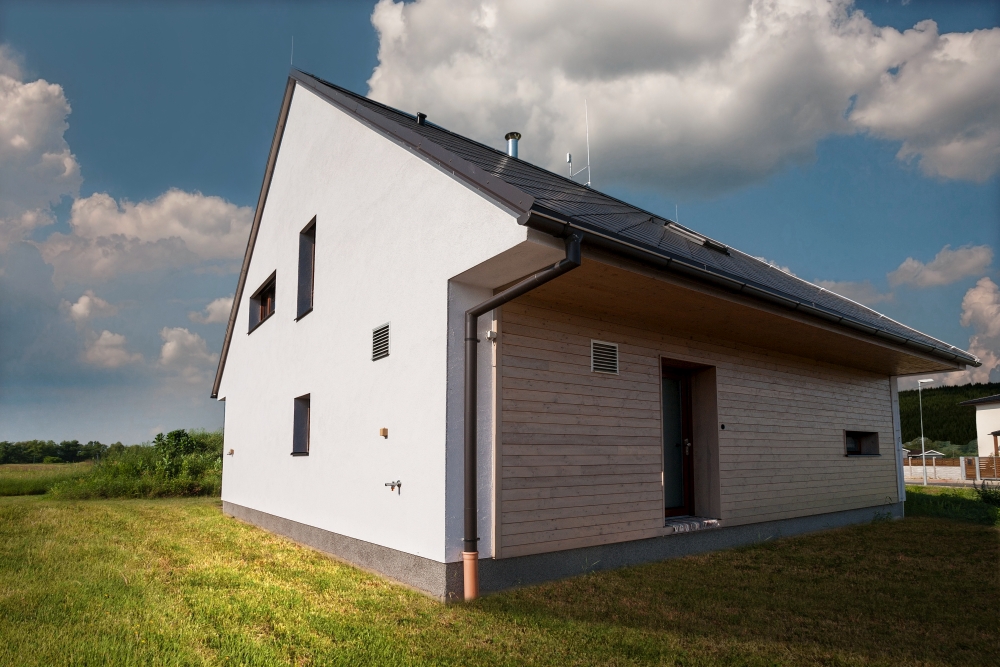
(647, 392)
(930, 453)
(987, 424)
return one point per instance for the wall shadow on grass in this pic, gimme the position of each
(945, 503)
(887, 593)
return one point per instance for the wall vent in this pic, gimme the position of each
(603, 357)
(380, 342)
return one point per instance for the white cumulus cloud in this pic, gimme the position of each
(37, 168)
(108, 351)
(186, 354)
(947, 267)
(215, 312)
(177, 228)
(692, 96)
(89, 305)
(943, 103)
(981, 311)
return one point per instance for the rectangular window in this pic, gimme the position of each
(861, 443)
(262, 302)
(300, 431)
(380, 342)
(307, 269)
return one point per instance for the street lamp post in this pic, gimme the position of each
(923, 447)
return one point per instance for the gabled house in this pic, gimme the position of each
(929, 454)
(987, 424)
(466, 372)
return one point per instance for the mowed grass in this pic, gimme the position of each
(174, 582)
(24, 479)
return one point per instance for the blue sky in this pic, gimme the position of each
(183, 98)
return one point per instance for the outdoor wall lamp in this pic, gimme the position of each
(394, 485)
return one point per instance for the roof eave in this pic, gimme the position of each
(556, 225)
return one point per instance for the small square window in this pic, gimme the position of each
(861, 443)
(262, 302)
(300, 429)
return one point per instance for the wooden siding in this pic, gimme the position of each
(580, 453)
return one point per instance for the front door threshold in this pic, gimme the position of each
(689, 524)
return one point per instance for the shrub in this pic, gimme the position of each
(177, 464)
(52, 459)
(987, 493)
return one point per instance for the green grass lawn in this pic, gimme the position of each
(17, 479)
(950, 503)
(173, 582)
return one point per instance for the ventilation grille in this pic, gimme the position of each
(603, 357)
(380, 342)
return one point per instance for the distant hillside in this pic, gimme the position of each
(944, 419)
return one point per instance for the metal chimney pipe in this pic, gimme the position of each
(512, 138)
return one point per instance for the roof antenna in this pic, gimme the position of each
(586, 116)
(677, 215)
(291, 58)
(569, 156)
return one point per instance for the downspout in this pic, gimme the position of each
(470, 551)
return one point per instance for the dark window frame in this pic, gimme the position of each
(861, 443)
(268, 286)
(301, 425)
(307, 270)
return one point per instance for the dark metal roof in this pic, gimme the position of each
(624, 225)
(982, 401)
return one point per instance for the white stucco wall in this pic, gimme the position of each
(391, 231)
(987, 421)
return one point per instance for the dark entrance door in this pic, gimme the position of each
(678, 471)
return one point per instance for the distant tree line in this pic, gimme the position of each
(945, 421)
(48, 451)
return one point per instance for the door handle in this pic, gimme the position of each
(687, 446)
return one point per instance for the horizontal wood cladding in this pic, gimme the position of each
(580, 452)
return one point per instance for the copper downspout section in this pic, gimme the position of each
(470, 566)
(470, 551)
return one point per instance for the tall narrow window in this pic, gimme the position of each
(307, 268)
(300, 430)
(262, 302)
(380, 342)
